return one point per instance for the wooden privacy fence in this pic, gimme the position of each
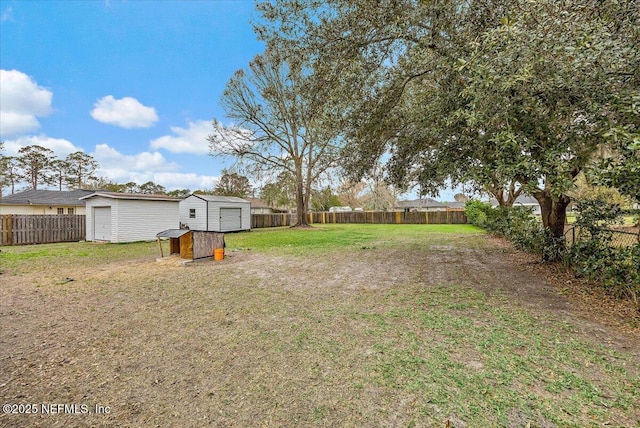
(19, 229)
(365, 217)
(391, 217)
(259, 221)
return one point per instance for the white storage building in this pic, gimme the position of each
(126, 217)
(215, 213)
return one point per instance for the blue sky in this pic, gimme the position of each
(133, 83)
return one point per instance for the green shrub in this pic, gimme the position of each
(516, 224)
(477, 212)
(616, 268)
(498, 221)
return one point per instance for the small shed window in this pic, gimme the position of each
(192, 213)
(70, 211)
(60, 210)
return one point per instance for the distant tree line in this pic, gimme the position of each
(229, 184)
(280, 192)
(38, 167)
(371, 194)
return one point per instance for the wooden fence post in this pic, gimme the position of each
(7, 230)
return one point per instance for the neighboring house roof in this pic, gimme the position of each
(216, 198)
(520, 200)
(136, 196)
(47, 197)
(526, 200)
(456, 204)
(258, 203)
(420, 203)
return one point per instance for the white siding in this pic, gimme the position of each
(89, 223)
(134, 219)
(214, 216)
(193, 202)
(246, 216)
(141, 220)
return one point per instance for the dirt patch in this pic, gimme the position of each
(272, 340)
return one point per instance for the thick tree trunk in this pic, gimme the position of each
(554, 212)
(301, 206)
(554, 218)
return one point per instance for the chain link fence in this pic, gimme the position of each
(626, 237)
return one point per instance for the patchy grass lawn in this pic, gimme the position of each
(343, 325)
(324, 237)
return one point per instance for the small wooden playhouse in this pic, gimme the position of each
(192, 244)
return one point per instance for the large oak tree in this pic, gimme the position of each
(278, 125)
(511, 95)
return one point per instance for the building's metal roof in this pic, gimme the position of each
(134, 196)
(47, 197)
(217, 198)
(172, 233)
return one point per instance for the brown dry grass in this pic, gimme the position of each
(350, 337)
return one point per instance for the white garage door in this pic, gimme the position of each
(102, 224)
(230, 219)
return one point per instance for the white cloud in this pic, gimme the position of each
(126, 112)
(147, 166)
(7, 15)
(22, 101)
(60, 146)
(192, 139)
(111, 159)
(174, 180)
